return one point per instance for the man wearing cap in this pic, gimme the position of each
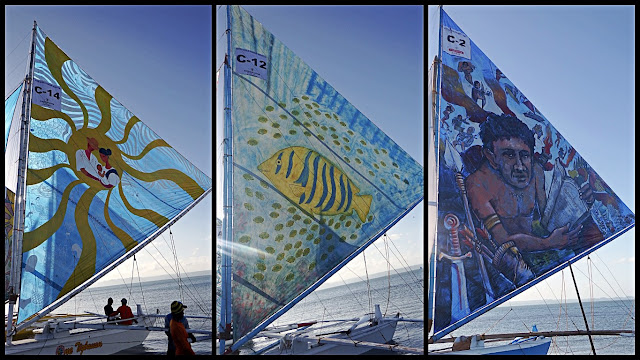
(125, 313)
(177, 324)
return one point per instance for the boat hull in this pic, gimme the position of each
(534, 347)
(83, 342)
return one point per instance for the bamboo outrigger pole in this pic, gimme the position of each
(541, 333)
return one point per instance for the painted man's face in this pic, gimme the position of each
(512, 158)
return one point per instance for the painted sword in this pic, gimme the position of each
(459, 299)
(454, 161)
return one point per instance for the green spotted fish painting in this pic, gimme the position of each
(313, 179)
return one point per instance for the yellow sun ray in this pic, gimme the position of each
(187, 184)
(154, 144)
(148, 214)
(55, 58)
(34, 238)
(103, 99)
(127, 129)
(40, 175)
(40, 145)
(40, 113)
(126, 239)
(86, 266)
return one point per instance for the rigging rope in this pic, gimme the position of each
(368, 285)
(175, 259)
(140, 282)
(386, 245)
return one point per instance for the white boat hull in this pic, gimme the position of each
(57, 338)
(79, 342)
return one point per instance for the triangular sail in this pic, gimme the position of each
(99, 181)
(516, 202)
(11, 152)
(314, 179)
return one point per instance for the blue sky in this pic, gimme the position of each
(156, 60)
(576, 64)
(373, 56)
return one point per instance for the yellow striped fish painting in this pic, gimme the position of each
(315, 183)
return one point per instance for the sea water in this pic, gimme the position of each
(401, 292)
(155, 296)
(606, 315)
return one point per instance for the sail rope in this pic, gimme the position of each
(406, 265)
(139, 281)
(409, 287)
(21, 41)
(351, 291)
(197, 299)
(386, 246)
(21, 62)
(366, 271)
(175, 259)
(630, 310)
(590, 269)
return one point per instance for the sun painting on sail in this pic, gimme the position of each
(99, 181)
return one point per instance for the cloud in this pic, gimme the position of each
(623, 260)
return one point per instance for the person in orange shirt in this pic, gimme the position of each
(125, 313)
(178, 331)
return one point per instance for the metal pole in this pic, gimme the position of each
(593, 348)
(227, 226)
(18, 221)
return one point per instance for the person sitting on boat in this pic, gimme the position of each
(125, 313)
(108, 310)
(178, 325)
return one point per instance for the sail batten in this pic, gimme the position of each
(516, 202)
(315, 181)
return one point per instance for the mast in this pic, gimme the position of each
(18, 221)
(227, 230)
(434, 135)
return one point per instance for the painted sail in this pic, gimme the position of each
(516, 201)
(99, 181)
(9, 111)
(314, 179)
(11, 152)
(432, 189)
